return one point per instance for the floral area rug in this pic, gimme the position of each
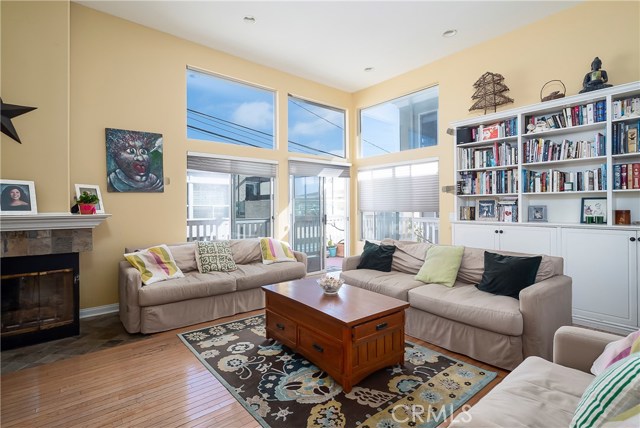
(282, 389)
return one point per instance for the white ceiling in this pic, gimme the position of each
(332, 42)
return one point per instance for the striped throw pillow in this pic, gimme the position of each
(155, 264)
(274, 251)
(614, 391)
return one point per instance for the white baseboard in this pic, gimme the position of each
(99, 310)
(604, 325)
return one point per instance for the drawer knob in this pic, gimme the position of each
(318, 347)
(632, 239)
(495, 231)
(382, 326)
(280, 326)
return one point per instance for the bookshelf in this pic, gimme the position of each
(566, 171)
(552, 154)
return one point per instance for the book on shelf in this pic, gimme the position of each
(627, 107)
(488, 182)
(541, 150)
(625, 137)
(554, 180)
(499, 154)
(502, 129)
(572, 116)
(626, 176)
(508, 209)
(467, 213)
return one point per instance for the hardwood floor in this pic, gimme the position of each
(155, 382)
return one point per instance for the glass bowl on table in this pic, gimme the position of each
(330, 284)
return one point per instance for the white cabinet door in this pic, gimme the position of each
(603, 266)
(531, 240)
(476, 235)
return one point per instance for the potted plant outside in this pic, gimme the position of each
(331, 247)
(87, 203)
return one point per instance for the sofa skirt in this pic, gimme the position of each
(492, 348)
(158, 318)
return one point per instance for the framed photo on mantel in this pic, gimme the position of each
(17, 197)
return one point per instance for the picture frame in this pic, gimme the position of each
(593, 210)
(537, 214)
(18, 197)
(486, 210)
(92, 189)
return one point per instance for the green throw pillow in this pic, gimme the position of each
(441, 265)
(214, 256)
(611, 393)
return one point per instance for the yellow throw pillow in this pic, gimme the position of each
(274, 251)
(155, 264)
(441, 265)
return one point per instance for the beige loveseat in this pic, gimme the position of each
(498, 330)
(539, 393)
(200, 297)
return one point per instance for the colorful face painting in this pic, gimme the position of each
(134, 161)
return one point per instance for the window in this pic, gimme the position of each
(399, 202)
(229, 198)
(316, 129)
(406, 123)
(226, 111)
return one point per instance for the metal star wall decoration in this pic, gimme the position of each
(8, 112)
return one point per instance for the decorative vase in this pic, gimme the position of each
(332, 251)
(87, 208)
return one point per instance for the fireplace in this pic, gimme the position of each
(40, 298)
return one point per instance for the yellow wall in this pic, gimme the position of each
(127, 76)
(35, 72)
(561, 46)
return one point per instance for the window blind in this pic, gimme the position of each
(400, 188)
(231, 165)
(316, 169)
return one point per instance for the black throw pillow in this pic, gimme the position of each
(377, 257)
(508, 275)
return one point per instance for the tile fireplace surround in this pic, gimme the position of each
(33, 249)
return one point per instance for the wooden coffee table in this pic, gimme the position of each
(348, 335)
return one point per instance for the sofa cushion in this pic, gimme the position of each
(441, 265)
(194, 285)
(254, 275)
(214, 256)
(393, 284)
(185, 256)
(508, 275)
(409, 256)
(612, 392)
(468, 305)
(472, 265)
(537, 393)
(376, 257)
(246, 251)
(155, 264)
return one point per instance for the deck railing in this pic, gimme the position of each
(217, 229)
(419, 229)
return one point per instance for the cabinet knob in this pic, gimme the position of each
(501, 231)
(496, 231)
(632, 239)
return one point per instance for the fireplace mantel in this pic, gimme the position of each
(50, 221)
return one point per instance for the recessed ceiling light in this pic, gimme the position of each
(249, 19)
(368, 69)
(449, 33)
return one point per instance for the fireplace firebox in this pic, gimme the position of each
(40, 298)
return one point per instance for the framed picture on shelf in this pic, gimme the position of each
(537, 213)
(486, 210)
(17, 197)
(92, 189)
(593, 210)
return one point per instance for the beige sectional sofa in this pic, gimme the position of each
(200, 297)
(540, 393)
(498, 330)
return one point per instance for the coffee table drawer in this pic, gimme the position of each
(282, 328)
(378, 326)
(320, 348)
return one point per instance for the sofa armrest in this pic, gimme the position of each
(545, 307)
(578, 348)
(129, 283)
(350, 263)
(301, 257)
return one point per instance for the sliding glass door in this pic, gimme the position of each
(309, 219)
